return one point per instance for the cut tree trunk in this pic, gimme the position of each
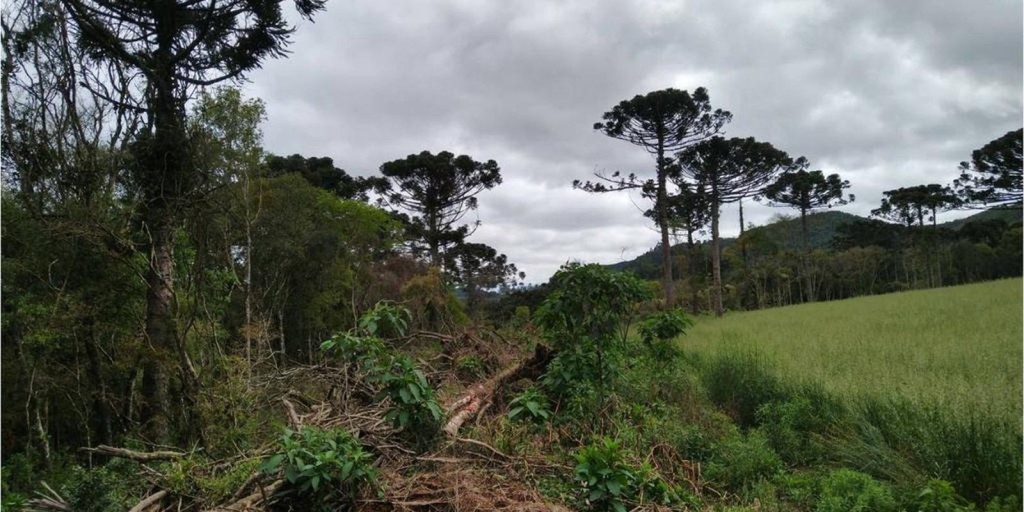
(477, 396)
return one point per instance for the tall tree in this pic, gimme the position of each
(807, 191)
(439, 190)
(321, 173)
(480, 267)
(660, 122)
(174, 47)
(907, 204)
(993, 176)
(731, 169)
(689, 211)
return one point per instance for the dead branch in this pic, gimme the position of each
(149, 501)
(125, 453)
(261, 494)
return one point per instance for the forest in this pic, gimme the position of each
(192, 322)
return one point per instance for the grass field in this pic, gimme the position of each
(959, 346)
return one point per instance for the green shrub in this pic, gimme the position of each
(609, 483)
(693, 443)
(741, 460)
(659, 331)
(530, 405)
(845, 490)
(413, 406)
(740, 383)
(938, 496)
(328, 464)
(795, 426)
(606, 479)
(112, 487)
(385, 320)
(469, 367)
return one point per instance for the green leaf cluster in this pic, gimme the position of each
(530, 405)
(323, 462)
(609, 483)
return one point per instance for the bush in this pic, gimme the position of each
(741, 460)
(938, 496)
(794, 426)
(659, 331)
(740, 383)
(328, 464)
(112, 487)
(531, 405)
(845, 490)
(413, 406)
(609, 483)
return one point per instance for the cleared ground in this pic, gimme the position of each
(959, 346)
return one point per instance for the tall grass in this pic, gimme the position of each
(958, 346)
(918, 385)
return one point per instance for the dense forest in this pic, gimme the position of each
(191, 322)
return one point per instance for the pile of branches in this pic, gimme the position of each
(460, 475)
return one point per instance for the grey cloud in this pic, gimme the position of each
(886, 93)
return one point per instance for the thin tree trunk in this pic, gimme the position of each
(716, 262)
(743, 245)
(661, 204)
(694, 299)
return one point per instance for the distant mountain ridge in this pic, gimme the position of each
(821, 230)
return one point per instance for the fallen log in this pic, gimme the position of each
(246, 503)
(125, 453)
(474, 398)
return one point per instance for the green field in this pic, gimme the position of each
(959, 346)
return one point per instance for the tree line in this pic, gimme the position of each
(697, 171)
(152, 247)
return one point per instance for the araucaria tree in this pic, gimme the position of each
(909, 204)
(173, 47)
(993, 176)
(730, 169)
(661, 122)
(807, 191)
(439, 190)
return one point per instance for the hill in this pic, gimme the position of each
(1010, 215)
(785, 233)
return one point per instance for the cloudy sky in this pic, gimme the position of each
(885, 93)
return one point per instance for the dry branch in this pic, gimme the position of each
(149, 501)
(125, 453)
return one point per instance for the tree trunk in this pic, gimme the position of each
(161, 332)
(694, 308)
(808, 280)
(661, 204)
(743, 245)
(716, 261)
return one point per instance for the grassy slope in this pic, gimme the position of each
(960, 346)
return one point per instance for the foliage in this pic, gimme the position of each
(328, 463)
(907, 204)
(321, 173)
(385, 320)
(660, 122)
(439, 190)
(586, 316)
(845, 490)
(740, 383)
(413, 406)
(112, 487)
(993, 176)
(741, 460)
(659, 330)
(609, 483)
(530, 404)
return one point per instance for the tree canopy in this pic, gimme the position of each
(993, 176)
(439, 190)
(909, 204)
(660, 122)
